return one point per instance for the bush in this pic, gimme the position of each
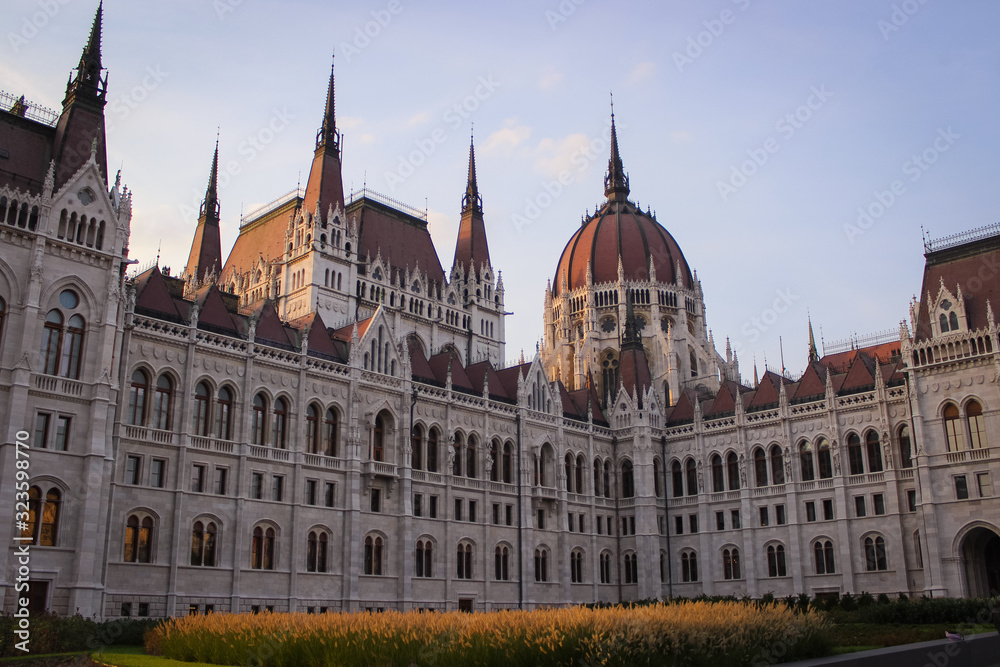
(847, 602)
(64, 634)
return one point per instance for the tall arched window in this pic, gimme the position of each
(378, 439)
(777, 465)
(508, 463)
(138, 539)
(280, 439)
(823, 554)
(373, 555)
(432, 450)
(733, 471)
(607, 478)
(825, 458)
(631, 568)
(51, 338)
(776, 561)
(689, 566)
(855, 455)
(312, 429)
(597, 476)
(262, 548)
(541, 564)
(977, 427)
(470, 457)
(224, 414)
(874, 452)
(657, 478)
(760, 466)
(317, 548)
(464, 560)
(628, 483)
(417, 447)
(806, 462)
(501, 563)
(905, 447)
(605, 567)
(258, 427)
(953, 428)
(731, 564)
(458, 448)
(162, 402)
(424, 559)
(331, 432)
(568, 462)
(576, 566)
(692, 477)
(875, 554)
(137, 398)
(203, 544)
(202, 399)
(677, 479)
(72, 348)
(581, 466)
(718, 475)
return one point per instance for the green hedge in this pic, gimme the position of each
(63, 634)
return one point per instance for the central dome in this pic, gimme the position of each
(620, 232)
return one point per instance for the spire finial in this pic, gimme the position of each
(616, 180)
(328, 132)
(813, 353)
(472, 200)
(210, 207)
(88, 72)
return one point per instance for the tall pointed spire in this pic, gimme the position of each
(813, 352)
(205, 258)
(325, 187)
(471, 250)
(616, 180)
(88, 72)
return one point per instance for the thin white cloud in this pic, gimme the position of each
(418, 119)
(550, 77)
(508, 138)
(556, 156)
(641, 72)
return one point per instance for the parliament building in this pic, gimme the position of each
(323, 420)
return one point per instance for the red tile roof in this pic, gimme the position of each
(973, 266)
(403, 241)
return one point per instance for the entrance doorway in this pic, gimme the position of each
(465, 604)
(981, 554)
(38, 596)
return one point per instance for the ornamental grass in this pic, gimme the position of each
(688, 633)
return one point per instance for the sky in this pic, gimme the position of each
(797, 151)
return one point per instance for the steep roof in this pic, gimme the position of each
(403, 240)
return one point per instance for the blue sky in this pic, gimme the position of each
(755, 130)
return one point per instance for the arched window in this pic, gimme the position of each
(137, 398)
(825, 458)
(731, 564)
(48, 529)
(317, 549)
(373, 555)
(262, 548)
(631, 568)
(692, 477)
(501, 563)
(457, 449)
(607, 478)
(138, 539)
(378, 439)
(874, 452)
(777, 465)
(718, 476)
(597, 476)
(432, 450)
(823, 553)
(162, 402)
(657, 478)
(331, 432)
(605, 567)
(424, 559)
(760, 466)
(258, 427)
(776, 561)
(72, 348)
(905, 447)
(464, 560)
(953, 321)
(203, 544)
(677, 479)
(224, 414)
(581, 465)
(855, 455)
(977, 427)
(733, 471)
(202, 399)
(953, 428)
(546, 466)
(417, 447)
(576, 566)
(470, 457)
(51, 338)
(628, 483)
(806, 462)
(569, 472)
(689, 566)
(312, 429)
(875, 554)
(541, 564)
(943, 321)
(508, 463)
(280, 439)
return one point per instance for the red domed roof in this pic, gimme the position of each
(620, 230)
